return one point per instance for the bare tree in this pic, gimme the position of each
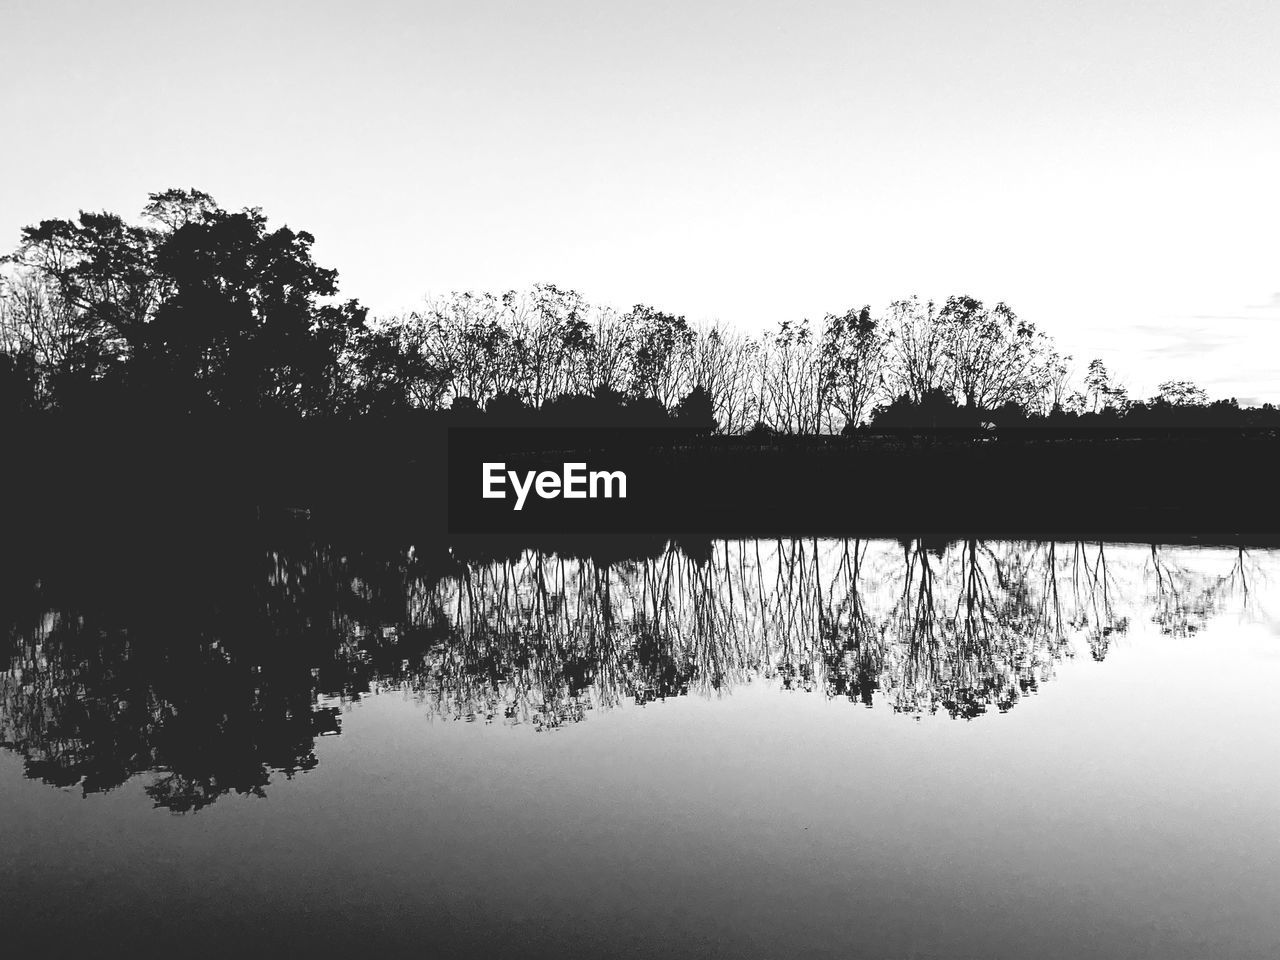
(791, 388)
(723, 363)
(993, 357)
(550, 341)
(37, 322)
(465, 334)
(609, 364)
(918, 355)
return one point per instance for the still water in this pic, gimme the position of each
(730, 748)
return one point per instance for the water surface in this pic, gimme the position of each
(743, 748)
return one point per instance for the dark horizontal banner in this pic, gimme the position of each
(562, 480)
(641, 480)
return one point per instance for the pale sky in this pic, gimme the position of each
(1110, 169)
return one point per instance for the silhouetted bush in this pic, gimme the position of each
(935, 410)
(508, 408)
(696, 411)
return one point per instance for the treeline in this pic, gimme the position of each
(201, 310)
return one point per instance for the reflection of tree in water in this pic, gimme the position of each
(1184, 599)
(1093, 593)
(93, 706)
(854, 643)
(214, 677)
(205, 675)
(971, 628)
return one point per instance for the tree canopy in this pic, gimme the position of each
(199, 308)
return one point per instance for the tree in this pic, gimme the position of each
(724, 364)
(92, 280)
(608, 365)
(1182, 393)
(175, 208)
(1058, 394)
(660, 351)
(853, 356)
(551, 341)
(35, 324)
(696, 412)
(918, 357)
(1101, 392)
(207, 309)
(387, 373)
(243, 318)
(994, 358)
(791, 379)
(467, 338)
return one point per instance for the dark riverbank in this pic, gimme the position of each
(1049, 484)
(409, 477)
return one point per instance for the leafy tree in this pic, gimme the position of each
(207, 308)
(660, 344)
(854, 356)
(1182, 393)
(386, 374)
(1101, 392)
(243, 319)
(102, 291)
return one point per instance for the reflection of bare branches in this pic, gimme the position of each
(854, 644)
(1185, 598)
(1093, 591)
(543, 639)
(1242, 580)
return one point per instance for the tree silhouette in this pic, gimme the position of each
(207, 309)
(1182, 393)
(853, 362)
(695, 411)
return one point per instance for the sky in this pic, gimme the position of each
(1110, 169)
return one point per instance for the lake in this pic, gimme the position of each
(734, 748)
